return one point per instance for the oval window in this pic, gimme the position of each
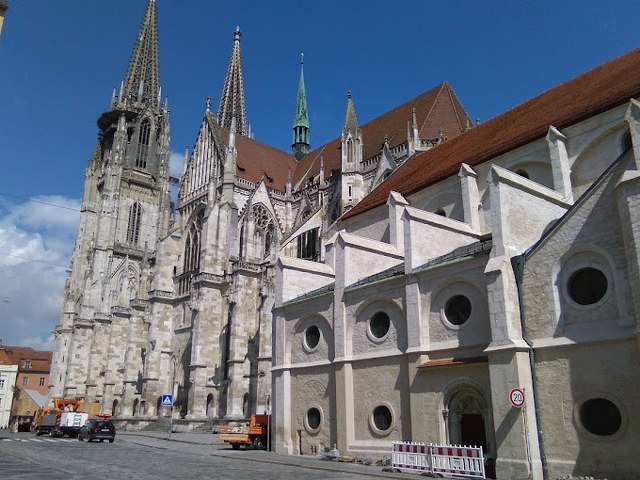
(600, 416)
(379, 324)
(458, 310)
(587, 286)
(312, 337)
(382, 418)
(313, 418)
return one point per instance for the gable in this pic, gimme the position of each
(436, 109)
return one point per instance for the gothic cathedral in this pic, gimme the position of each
(176, 297)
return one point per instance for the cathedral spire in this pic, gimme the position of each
(142, 83)
(301, 131)
(232, 96)
(351, 120)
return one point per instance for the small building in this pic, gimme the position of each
(8, 374)
(30, 387)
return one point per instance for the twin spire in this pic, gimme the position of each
(142, 83)
(232, 96)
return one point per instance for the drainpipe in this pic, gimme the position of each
(517, 263)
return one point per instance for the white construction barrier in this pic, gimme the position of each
(453, 460)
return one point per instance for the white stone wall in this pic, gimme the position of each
(429, 372)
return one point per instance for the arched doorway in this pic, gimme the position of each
(467, 418)
(135, 407)
(158, 405)
(114, 408)
(209, 410)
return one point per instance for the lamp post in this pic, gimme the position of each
(268, 412)
(268, 422)
(173, 396)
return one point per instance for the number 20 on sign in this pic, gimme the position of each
(517, 397)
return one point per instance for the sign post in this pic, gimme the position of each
(167, 401)
(516, 397)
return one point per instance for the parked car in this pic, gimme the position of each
(98, 429)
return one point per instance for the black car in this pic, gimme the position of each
(98, 429)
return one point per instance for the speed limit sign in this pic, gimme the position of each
(517, 397)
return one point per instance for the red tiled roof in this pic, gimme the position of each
(593, 92)
(40, 360)
(436, 109)
(4, 358)
(257, 160)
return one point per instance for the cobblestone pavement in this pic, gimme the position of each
(210, 444)
(152, 455)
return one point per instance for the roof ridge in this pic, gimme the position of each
(454, 103)
(435, 100)
(403, 104)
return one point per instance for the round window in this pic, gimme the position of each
(382, 418)
(313, 418)
(600, 416)
(379, 324)
(312, 337)
(458, 310)
(587, 286)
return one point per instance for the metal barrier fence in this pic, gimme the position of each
(454, 460)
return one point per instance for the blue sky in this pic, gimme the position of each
(59, 62)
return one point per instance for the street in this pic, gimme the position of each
(153, 457)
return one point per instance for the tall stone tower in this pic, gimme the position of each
(101, 341)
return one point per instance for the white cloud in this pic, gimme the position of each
(36, 241)
(176, 164)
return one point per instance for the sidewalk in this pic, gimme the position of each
(221, 449)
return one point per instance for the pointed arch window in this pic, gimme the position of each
(144, 136)
(265, 230)
(192, 245)
(309, 245)
(135, 219)
(350, 152)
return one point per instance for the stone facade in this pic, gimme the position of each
(512, 266)
(164, 300)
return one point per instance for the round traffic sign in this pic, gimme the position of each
(516, 397)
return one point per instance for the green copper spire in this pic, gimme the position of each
(142, 83)
(301, 131)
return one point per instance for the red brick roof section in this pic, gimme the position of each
(605, 87)
(40, 360)
(257, 160)
(436, 109)
(4, 358)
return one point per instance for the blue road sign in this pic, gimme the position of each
(167, 401)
